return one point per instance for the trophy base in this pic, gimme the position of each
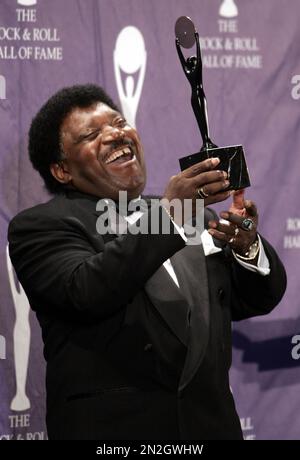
(232, 160)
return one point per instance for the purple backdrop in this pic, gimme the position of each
(252, 82)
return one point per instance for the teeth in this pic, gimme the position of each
(118, 154)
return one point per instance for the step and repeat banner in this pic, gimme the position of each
(251, 60)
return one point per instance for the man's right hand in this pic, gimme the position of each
(186, 184)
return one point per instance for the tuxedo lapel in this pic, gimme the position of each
(169, 302)
(190, 267)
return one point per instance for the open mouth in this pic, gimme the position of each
(120, 156)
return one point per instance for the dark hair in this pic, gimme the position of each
(44, 134)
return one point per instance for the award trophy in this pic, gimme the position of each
(232, 159)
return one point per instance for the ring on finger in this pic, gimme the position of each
(247, 224)
(202, 193)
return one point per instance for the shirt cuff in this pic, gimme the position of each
(263, 264)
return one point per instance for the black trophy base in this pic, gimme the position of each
(232, 160)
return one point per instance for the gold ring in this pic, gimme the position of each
(202, 193)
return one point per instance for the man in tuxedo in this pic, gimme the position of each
(136, 327)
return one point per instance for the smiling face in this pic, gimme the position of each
(103, 154)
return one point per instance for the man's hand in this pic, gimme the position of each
(232, 231)
(186, 184)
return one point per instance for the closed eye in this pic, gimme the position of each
(88, 137)
(120, 122)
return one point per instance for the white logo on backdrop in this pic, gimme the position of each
(27, 2)
(21, 339)
(130, 57)
(228, 9)
(2, 347)
(2, 87)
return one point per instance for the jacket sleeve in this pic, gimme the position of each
(254, 294)
(60, 270)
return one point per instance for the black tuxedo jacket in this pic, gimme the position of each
(129, 354)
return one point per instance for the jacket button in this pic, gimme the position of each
(148, 347)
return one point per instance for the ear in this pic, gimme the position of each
(60, 172)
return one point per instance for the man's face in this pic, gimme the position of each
(103, 153)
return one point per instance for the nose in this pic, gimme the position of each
(112, 134)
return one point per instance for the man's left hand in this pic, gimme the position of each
(234, 231)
